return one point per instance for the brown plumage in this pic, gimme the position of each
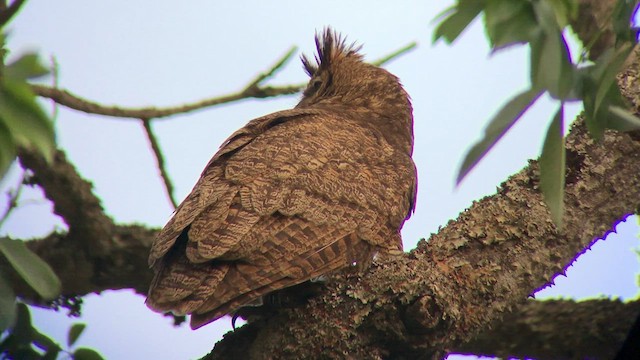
(294, 194)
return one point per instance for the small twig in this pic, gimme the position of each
(55, 80)
(13, 196)
(254, 85)
(395, 54)
(252, 90)
(8, 13)
(155, 147)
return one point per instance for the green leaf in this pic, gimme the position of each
(498, 126)
(611, 68)
(535, 56)
(23, 123)
(74, 333)
(500, 11)
(33, 270)
(27, 123)
(44, 342)
(547, 60)
(28, 66)
(86, 354)
(568, 71)
(595, 122)
(520, 30)
(7, 304)
(546, 16)
(604, 118)
(565, 10)
(552, 168)
(551, 65)
(509, 22)
(622, 20)
(26, 353)
(22, 332)
(596, 71)
(7, 149)
(459, 18)
(623, 120)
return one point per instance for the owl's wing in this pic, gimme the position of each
(212, 188)
(285, 200)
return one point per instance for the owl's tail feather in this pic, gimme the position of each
(313, 263)
(178, 282)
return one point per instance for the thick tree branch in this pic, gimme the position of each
(73, 200)
(95, 254)
(124, 266)
(630, 348)
(472, 273)
(557, 330)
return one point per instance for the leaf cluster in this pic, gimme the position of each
(22, 340)
(541, 25)
(26, 342)
(23, 122)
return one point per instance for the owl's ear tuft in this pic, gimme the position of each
(309, 67)
(330, 47)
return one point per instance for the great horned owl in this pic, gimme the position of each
(294, 194)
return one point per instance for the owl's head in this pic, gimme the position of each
(339, 74)
(342, 81)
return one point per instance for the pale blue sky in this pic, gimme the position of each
(166, 53)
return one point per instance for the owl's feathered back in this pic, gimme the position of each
(294, 194)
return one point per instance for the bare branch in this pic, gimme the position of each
(55, 72)
(157, 152)
(251, 90)
(275, 68)
(403, 50)
(66, 98)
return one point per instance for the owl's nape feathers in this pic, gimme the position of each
(293, 195)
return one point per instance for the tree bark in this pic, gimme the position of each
(557, 330)
(95, 254)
